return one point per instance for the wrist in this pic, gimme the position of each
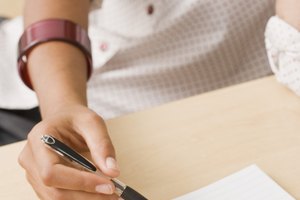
(58, 73)
(48, 30)
(65, 107)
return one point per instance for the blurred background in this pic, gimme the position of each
(10, 8)
(9, 132)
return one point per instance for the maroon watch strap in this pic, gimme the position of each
(52, 30)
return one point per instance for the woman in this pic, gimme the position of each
(144, 54)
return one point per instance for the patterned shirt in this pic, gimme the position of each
(147, 53)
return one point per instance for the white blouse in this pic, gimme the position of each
(146, 53)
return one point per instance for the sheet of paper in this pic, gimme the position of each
(250, 183)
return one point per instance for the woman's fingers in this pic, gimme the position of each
(43, 158)
(71, 195)
(94, 131)
(52, 177)
(60, 176)
(50, 193)
(48, 166)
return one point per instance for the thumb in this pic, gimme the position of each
(95, 133)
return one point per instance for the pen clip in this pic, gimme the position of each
(67, 152)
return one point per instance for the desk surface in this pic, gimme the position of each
(176, 148)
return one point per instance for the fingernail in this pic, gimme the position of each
(104, 189)
(111, 163)
(120, 198)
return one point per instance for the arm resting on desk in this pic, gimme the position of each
(282, 39)
(58, 75)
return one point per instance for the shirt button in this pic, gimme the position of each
(150, 9)
(103, 46)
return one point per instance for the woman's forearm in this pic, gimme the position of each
(57, 70)
(289, 10)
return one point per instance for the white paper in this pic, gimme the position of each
(250, 183)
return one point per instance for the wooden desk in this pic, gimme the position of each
(176, 148)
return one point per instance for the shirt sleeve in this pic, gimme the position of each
(13, 93)
(283, 49)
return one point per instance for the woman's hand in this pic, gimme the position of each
(51, 177)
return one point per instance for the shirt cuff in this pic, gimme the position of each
(283, 49)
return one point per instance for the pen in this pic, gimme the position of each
(124, 191)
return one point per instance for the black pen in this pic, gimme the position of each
(124, 191)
